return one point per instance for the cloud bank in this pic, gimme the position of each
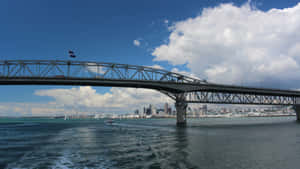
(116, 100)
(237, 44)
(86, 100)
(31, 109)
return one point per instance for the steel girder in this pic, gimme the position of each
(90, 70)
(233, 98)
(238, 98)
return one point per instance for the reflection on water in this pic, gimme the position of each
(155, 143)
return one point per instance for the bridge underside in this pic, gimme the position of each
(90, 82)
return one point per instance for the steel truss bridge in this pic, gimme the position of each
(183, 89)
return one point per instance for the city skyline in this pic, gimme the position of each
(193, 111)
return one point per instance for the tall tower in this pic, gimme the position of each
(204, 109)
(166, 108)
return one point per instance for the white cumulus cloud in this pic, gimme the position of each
(117, 100)
(233, 44)
(156, 66)
(31, 109)
(136, 42)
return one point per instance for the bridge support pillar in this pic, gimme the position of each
(297, 110)
(181, 113)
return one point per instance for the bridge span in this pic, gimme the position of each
(183, 89)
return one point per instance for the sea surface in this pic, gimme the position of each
(208, 143)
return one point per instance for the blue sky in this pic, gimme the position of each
(96, 31)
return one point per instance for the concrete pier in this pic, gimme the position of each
(181, 113)
(297, 110)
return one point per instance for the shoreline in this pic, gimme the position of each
(161, 117)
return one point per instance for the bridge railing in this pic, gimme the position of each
(90, 70)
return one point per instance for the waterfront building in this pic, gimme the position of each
(170, 111)
(153, 109)
(160, 111)
(204, 110)
(136, 112)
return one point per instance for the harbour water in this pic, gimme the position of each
(209, 143)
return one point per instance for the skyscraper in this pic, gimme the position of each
(204, 109)
(166, 108)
